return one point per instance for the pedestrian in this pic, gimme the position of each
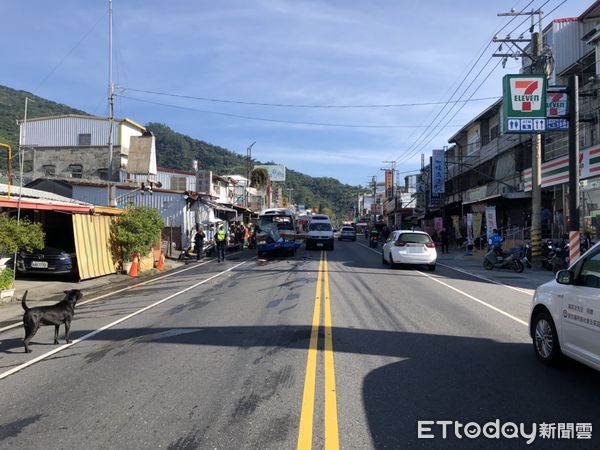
(445, 239)
(246, 236)
(199, 241)
(221, 241)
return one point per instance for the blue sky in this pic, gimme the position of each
(326, 53)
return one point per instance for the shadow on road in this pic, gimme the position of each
(436, 377)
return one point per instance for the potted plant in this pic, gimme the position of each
(135, 232)
(16, 236)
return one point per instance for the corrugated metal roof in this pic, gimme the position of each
(37, 194)
(83, 116)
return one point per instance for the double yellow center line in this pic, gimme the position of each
(305, 433)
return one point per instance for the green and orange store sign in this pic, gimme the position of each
(556, 171)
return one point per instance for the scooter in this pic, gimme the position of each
(547, 253)
(525, 255)
(374, 241)
(559, 257)
(497, 259)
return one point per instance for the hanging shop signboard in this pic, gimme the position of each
(524, 103)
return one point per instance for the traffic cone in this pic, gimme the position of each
(161, 261)
(135, 266)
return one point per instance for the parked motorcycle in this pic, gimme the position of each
(497, 259)
(547, 253)
(525, 255)
(559, 257)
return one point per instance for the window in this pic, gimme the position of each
(103, 174)
(590, 272)
(415, 238)
(76, 170)
(85, 140)
(178, 183)
(49, 170)
(494, 132)
(319, 226)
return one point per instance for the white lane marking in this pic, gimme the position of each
(170, 274)
(475, 299)
(522, 291)
(110, 325)
(514, 288)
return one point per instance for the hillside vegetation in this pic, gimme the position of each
(177, 151)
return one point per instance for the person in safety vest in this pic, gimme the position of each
(221, 241)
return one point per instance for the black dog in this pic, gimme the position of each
(61, 312)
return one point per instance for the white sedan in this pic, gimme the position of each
(565, 313)
(409, 247)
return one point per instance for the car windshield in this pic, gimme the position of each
(319, 226)
(347, 230)
(282, 222)
(414, 238)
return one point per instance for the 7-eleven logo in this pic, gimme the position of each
(526, 94)
(557, 103)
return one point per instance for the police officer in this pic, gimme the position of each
(221, 241)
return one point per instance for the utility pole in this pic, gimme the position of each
(111, 112)
(248, 168)
(573, 95)
(374, 185)
(538, 58)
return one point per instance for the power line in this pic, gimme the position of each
(424, 134)
(290, 105)
(419, 143)
(264, 119)
(69, 52)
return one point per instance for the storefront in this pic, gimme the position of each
(555, 193)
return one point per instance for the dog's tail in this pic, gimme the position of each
(23, 302)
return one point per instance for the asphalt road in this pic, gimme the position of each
(328, 348)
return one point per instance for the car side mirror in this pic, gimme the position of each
(564, 277)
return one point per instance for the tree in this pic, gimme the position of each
(259, 178)
(22, 236)
(136, 231)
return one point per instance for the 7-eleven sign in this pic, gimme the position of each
(524, 103)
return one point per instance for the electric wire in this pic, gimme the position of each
(424, 134)
(51, 72)
(264, 119)
(288, 105)
(422, 140)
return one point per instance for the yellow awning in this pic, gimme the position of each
(92, 244)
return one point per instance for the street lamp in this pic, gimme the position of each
(289, 195)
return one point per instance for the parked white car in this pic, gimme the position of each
(409, 247)
(565, 313)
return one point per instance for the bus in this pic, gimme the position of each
(276, 230)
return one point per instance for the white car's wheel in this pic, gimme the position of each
(545, 338)
(393, 265)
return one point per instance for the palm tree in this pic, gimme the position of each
(259, 178)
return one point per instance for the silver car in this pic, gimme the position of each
(347, 233)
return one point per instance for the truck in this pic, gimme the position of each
(276, 232)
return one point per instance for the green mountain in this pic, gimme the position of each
(12, 108)
(177, 151)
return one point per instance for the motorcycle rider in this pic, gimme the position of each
(374, 237)
(495, 242)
